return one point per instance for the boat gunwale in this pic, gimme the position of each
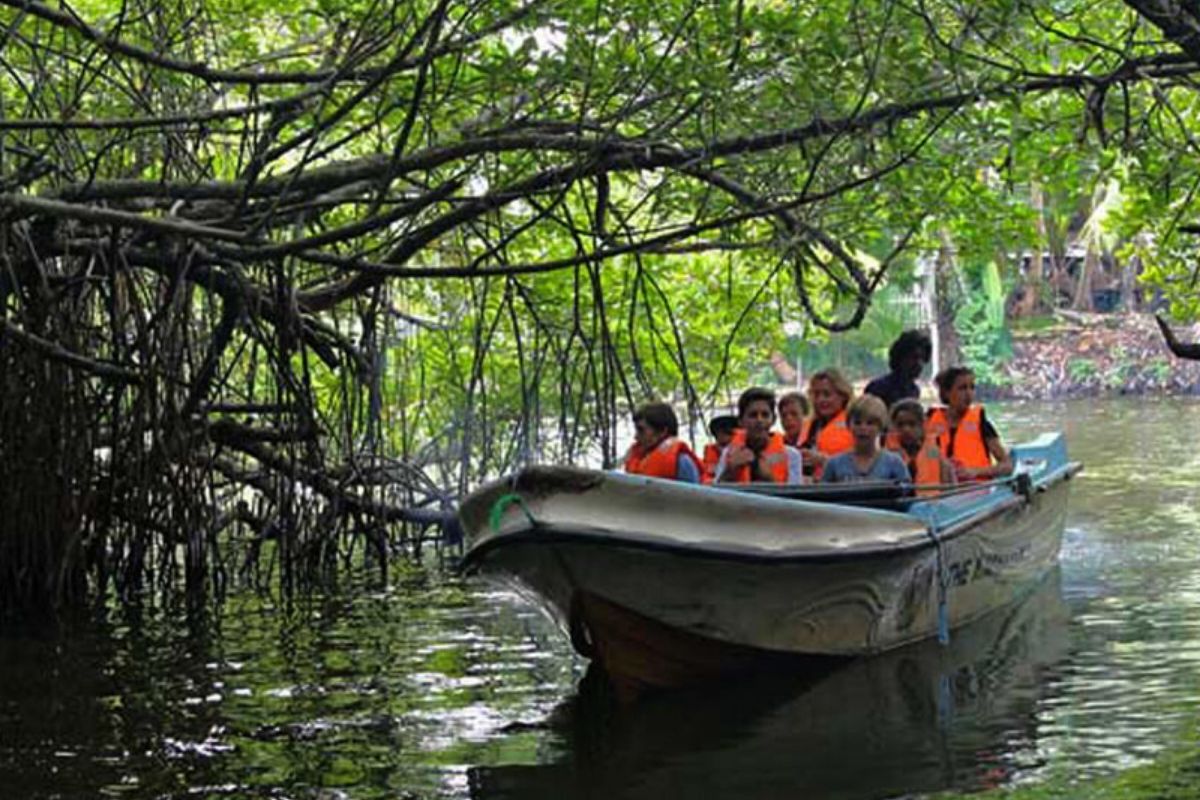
(550, 533)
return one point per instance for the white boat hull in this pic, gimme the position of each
(672, 575)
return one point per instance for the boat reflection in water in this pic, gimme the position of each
(918, 719)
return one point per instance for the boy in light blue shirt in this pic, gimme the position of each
(866, 463)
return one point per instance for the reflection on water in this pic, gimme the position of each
(917, 719)
(1131, 577)
(438, 689)
(366, 694)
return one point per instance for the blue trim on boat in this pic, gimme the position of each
(1044, 461)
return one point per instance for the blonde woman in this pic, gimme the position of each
(829, 434)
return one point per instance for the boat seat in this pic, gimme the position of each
(889, 496)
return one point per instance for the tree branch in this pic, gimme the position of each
(1188, 351)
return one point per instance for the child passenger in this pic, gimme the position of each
(922, 455)
(865, 462)
(722, 429)
(756, 454)
(794, 414)
(656, 452)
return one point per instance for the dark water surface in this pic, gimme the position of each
(434, 688)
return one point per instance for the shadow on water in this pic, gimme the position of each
(920, 719)
(71, 719)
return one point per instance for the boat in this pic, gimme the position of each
(667, 584)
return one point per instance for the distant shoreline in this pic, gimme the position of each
(1096, 355)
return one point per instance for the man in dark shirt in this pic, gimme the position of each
(907, 358)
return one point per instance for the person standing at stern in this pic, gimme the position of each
(907, 358)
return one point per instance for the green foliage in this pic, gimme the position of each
(1082, 370)
(1160, 370)
(1171, 776)
(532, 381)
(1122, 370)
(863, 351)
(986, 341)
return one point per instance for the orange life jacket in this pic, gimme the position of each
(835, 437)
(662, 461)
(969, 448)
(775, 455)
(712, 456)
(926, 465)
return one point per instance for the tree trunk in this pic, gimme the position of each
(1083, 286)
(1037, 267)
(1029, 287)
(946, 272)
(1131, 298)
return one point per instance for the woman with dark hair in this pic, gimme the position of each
(907, 358)
(656, 451)
(963, 431)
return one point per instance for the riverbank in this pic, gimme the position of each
(1090, 355)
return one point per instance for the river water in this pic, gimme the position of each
(438, 688)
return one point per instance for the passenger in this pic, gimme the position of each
(794, 412)
(722, 429)
(756, 454)
(907, 358)
(656, 451)
(828, 434)
(926, 464)
(866, 461)
(964, 434)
